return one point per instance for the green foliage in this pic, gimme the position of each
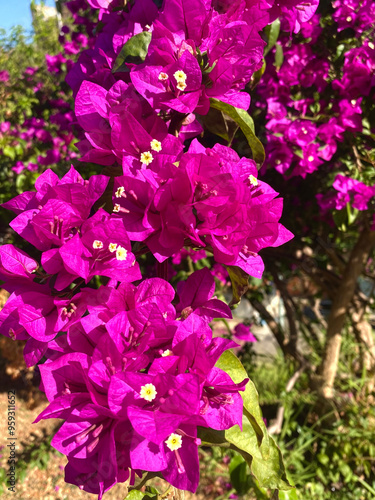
(330, 457)
(240, 283)
(134, 51)
(27, 96)
(272, 33)
(246, 124)
(140, 495)
(20, 49)
(252, 442)
(46, 31)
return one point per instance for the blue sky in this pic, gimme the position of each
(14, 12)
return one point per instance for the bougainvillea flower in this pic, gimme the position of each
(118, 124)
(50, 216)
(212, 198)
(196, 294)
(242, 332)
(102, 247)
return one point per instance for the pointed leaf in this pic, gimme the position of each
(134, 51)
(240, 283)
(272, 32)
(246, 123)
(253, 442)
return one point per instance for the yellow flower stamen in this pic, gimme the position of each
(116, 207)
(112, 247)
(163, 76)
(148, 392)
(155, 145)
(253, 180)
(180, 76)
(174, 442)
(181, 85)
(166, 353)
(97, 244)
(146, 158)
(121, 253)
(119, 192)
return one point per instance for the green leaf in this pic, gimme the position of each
(210, 436)
(239, 477)
(140, 495)
(20, 182)
(272, 32)
(257, 76)
(220, 124)
(288, 495)
(253, 442)
(135, 495)
(229, 363)
(279, 56)
(240, 283)
(340, 219)
(10, 152)
(246, 124)
(152, 489)
(134, 51)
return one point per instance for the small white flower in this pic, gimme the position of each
(146, 158)
(155, 145)
(119, 192)
(148, 392)
(174, 442)
(97, 244)
(180, 76)
(112, 247)
(181, 85)
(121, 253)
(253, 180)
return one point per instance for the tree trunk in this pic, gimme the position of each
(340, 305)
(365, 338)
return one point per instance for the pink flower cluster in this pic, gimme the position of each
(126, 362)
(307, 125)
(347, 190)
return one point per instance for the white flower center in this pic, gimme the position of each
(148, 392)
(119, 191)
(253, 180)
(146, 158)
(155, 145)
(121, 253)
(180, 76)
(112, 247)
(174, 442)
(97, 244)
